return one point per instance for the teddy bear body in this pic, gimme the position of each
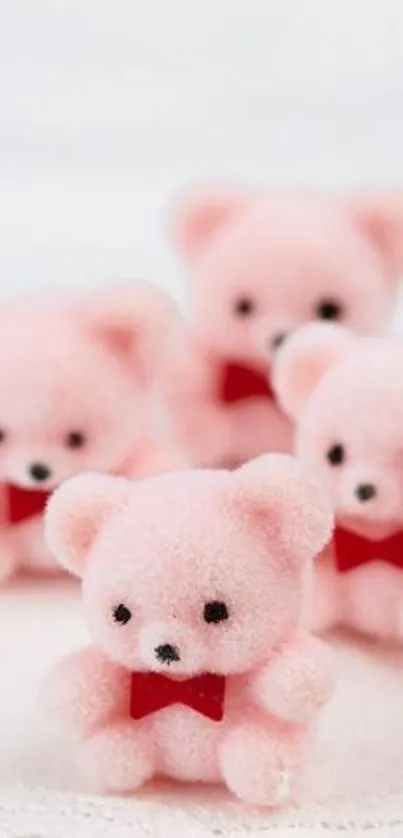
(347, 397)
(201, 669)
(251, 727)
(74, 396)
(259, 265)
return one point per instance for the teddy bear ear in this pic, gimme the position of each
(288, 505)
(379, 215)
(76, 512)
(199, 213)
(304, 359)
(138, 320)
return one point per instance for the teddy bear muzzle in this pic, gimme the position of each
(167, 653)
(171, 647)
(40, 472)
(375, 494)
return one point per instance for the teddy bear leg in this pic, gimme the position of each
(261, 766)
(373, 600)
(119, 758)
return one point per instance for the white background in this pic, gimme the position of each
(109, 106)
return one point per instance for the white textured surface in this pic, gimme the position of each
(107, 107)
(356, 777)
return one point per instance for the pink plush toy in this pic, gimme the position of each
(75, 378)
(194, 585)
(259, 265)
(346, 395)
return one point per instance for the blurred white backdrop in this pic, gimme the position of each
(109, 106)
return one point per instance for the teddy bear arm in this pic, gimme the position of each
(297, 683)
(86, 690)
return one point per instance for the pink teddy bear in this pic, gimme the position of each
(346, 396)
(194, 587)
(261, 264)
(75, 385)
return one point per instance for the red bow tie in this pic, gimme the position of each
(151, 691)
(240, 382)
(353, 550)
(24, 503)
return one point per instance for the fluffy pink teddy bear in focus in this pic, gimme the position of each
(76, 375)
(259, 265)
(194, 587)
(346, 395)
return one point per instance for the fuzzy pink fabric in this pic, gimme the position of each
(346, 394)
(259, 265)
(156, 557)
(76, 375)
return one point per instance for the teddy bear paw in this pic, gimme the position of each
(258, 769)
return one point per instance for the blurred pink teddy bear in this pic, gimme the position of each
(75, 382)
(194, 587)
(259, 265)
(346, 395)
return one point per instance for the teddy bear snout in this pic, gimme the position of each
(171, 644)
(375, 495)
(268, 334)
(167, 653)
(365, 492)
(275, 341)
(39, 472)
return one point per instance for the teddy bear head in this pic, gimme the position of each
(346, 396)
(195, 571)
(74, 378)
(262, 264)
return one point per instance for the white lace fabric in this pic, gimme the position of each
(354, 784)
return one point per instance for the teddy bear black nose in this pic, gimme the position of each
(365, 491)
(39, 472)
(166, 653)
(277, 340)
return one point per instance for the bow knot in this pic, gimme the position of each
(152, 691)
(24, 503)
(352, 550)
(240, 382)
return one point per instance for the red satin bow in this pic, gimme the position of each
(352, 550)
(24, 503)
(151, 691)
(240, 382)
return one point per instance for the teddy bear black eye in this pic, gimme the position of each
(215, 611)
(244, 307)
(329, 310)
(2, 435)
(122, 614)
(75, 439)
(336, 454)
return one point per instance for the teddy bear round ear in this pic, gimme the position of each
(379, 216)
(137, 320)
(285, 502)
(304, 359)
(76, 512)
(200, 212)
